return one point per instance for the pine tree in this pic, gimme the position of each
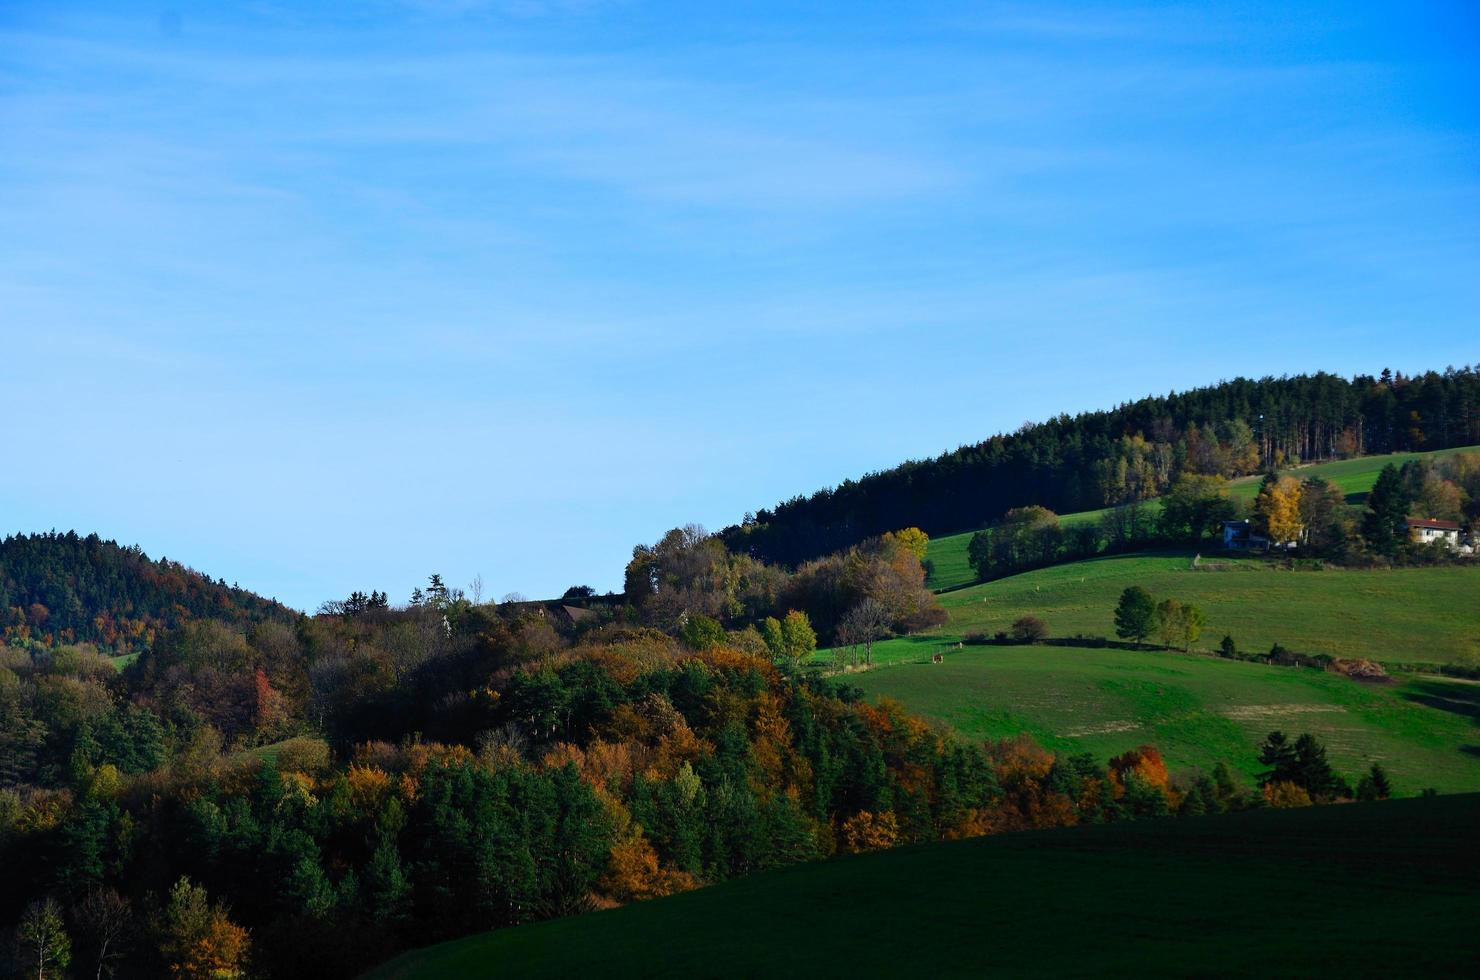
(387, 889)
(1374, 785)
(1386, 525)
(1311, 770)
(1279, 755)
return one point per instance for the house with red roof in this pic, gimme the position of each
(1426, 530)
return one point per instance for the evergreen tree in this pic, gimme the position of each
(1314, 773)
(1385, 526)
(1135, 615)
(1279, 755)
(82, 845)
(386, 889)
(1374, 785)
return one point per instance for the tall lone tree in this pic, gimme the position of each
(1135, 616)
(1386, 525)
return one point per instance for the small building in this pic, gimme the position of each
(1429, 531)
(1241, 536)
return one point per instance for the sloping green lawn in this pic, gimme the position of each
(1367, 890)
(1405, 615)
(1197, 710)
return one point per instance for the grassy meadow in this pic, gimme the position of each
(1403, 615)
(1197, 710)
(1212, 896)
(1354, 477)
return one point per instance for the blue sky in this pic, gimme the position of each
(322, 297)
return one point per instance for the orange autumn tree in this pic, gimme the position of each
(200, 941)
(865, 831)
(1140, 781)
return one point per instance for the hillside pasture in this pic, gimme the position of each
(1428, 615)
(1198, 710)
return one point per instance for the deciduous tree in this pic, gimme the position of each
(105, 918)
(41, 939)
(864, 625)
(200, 942)
(1195, 507)
(1277, 509)
(915, 540)
(798, 638)
(1169, 614)
(1029, 629)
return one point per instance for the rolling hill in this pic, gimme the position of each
(1074, 463)
(69, 588)
(1361, 890)
(950, 568)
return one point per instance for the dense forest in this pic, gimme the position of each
(309, 798)
(1130, 453)
(63, 588)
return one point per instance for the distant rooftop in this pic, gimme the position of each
(1430, 522)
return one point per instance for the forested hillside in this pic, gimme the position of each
(307, 801)
(63, 588)
(1133, 452)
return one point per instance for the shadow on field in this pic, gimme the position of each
(1455, 698)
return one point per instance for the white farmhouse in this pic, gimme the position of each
(1428, 531)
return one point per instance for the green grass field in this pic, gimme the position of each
(1354, 477)
(1404, 615)
(1197, 710)
(1368, 890)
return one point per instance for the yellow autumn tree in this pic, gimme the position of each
(865, 831)
(914, 540)
(1285, 796)
(1277, 509)
(368, 787)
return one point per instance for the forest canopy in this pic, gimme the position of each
(1133, 452)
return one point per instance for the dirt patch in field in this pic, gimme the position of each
(1108, 728)
(1255, 712)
